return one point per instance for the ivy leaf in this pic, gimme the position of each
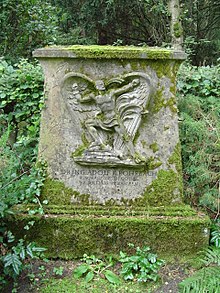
(111, 277)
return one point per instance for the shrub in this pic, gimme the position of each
(207, 278)
(142, 266)
(26, 25)
(20, 183)
(199, 106)
(21, 99)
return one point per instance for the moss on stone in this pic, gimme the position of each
(162, 67)
(56, 192)
(175, 158)
(153, 164)
(119, 52)
(158, 101)
(154, 147)
(167, 188)
(69, 237)
(171, 103)
(84, 140)
(160, 192)
(177, 29)
(114, 210)
(79, 151)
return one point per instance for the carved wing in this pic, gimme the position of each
(75, 87)
(132, 105)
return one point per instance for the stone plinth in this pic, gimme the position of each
(109, 136)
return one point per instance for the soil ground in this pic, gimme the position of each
(40, 273)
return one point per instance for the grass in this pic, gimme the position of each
(72, 285)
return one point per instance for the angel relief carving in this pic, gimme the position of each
(110, 113)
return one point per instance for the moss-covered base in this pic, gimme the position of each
(69, 233)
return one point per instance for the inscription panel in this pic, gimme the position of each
(106, 184)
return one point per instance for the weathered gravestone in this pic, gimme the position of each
(109, 136)
(110, 127)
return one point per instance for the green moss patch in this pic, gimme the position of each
(119, 52)
(99, 285)
(161, 191)
(118, 211)
(165, 190)
(57, 193)
(70, 236)
(154, 147)
(178, 30)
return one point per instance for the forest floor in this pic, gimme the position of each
(57, 276)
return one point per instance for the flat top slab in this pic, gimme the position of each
(108, 52)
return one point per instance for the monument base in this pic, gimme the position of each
(70, 231)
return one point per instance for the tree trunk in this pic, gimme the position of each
(175, 25)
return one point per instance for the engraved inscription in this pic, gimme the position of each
(107, 177)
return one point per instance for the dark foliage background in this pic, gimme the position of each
(28, 24)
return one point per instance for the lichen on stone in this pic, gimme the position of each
(177, 29)
(154, 146)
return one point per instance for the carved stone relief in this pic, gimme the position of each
(110, 112)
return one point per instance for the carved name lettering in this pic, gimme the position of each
(107, 177)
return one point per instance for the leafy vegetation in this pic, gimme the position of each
(201, 21)
(95, 267)
(21, 100)
(94, 274)
(97, 286)
(143, 266)
(141, 22)
(19, 183)
(36, 23)
(207, 278)
(116, 22)
(25, 25)
(199, 106)
(20, 180)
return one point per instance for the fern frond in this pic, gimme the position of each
(212, 256)
(205, 280)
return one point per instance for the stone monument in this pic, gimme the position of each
(110, 127)
(109, 136)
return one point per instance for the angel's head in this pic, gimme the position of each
(100, 86)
